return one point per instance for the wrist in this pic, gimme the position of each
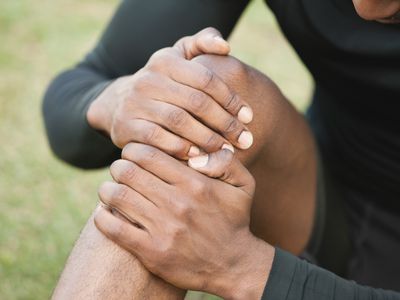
(248, 278)
(100, 112)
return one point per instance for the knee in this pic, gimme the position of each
(234, 72)
(253, 87)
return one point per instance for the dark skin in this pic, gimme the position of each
(106, 256)
(274, 125)
(186, 218)
(269, 134)
(158, 104)
(281, 156)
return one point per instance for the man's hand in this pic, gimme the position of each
(190, 229)
(175, 104)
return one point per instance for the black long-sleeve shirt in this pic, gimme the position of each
(356, 66)
(137, 30)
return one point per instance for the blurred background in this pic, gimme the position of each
(44, 203)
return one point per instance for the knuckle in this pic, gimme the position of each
(118, 129)
(151, 133)
(116, 230)
(226, 158)
(129, 151)
(210, 30)
(120, 194)
(184, 39)
(206, 79)
(143, 82)
(198, 102)
(128, 172)
(179, 148)
(213, 142)
(232, 126)
(198, 186)
(139, 153)
(159, 59)
(175, 231)
(225, 176)
(146, 154)
(117, 139)
(164, 253)
(119, 119)
(178, 232)
(176, 118)
(183, 210)
(233, 103)
(186, 44)
(223, 165)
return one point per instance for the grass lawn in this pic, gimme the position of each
(43, 202)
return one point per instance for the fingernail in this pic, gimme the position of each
(228, 147)
(198, 162)
(245, 139)
(193, 151)
(245, 115)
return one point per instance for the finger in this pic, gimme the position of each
(158, 163)
(181, 123)
(128, 236)
(201, 78)
(127, 202)
(225, 166)
(144, 131)
(207, 41)
(169, 61)
(203, 107)
(142, 181)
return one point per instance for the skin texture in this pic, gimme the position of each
(378, 10)
(282, 158)
(175, 103)
(282, 161)
(97, 268)
(192, 229)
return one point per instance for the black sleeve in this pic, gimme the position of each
(138, 29)
(294, 279)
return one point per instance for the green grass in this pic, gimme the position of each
(43, 202)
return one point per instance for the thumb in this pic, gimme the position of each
(207, 41)
(223, 165)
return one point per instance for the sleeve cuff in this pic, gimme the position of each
(281, 276)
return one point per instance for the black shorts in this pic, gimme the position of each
(353, 236)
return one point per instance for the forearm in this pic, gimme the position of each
(99, 269)
(122, 51)
(293, 278)
(282, 157)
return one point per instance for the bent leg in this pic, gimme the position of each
(282, 158)
(99, 269)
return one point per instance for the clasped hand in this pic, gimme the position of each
(187, 223)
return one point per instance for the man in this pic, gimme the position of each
(217, 223)
(361, 170)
